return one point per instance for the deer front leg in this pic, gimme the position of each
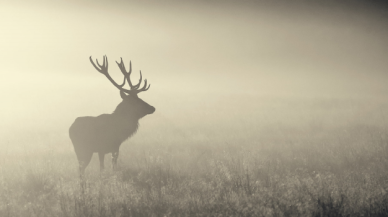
(101, 157)
(115, 155)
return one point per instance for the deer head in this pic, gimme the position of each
(131, 103)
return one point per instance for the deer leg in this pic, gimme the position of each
(115, 155)
(84, 160)
(101, 156)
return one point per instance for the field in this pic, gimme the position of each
(217, 155)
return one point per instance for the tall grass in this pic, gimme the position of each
(262, 157)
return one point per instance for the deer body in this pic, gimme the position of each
(100, 134)
(105, 133)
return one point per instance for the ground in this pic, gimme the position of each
(233, 156)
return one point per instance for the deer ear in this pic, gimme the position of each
(122, 94)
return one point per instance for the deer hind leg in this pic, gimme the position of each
(101, 156)
(115, 155)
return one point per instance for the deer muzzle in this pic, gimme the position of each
(152, 110)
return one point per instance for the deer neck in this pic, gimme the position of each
(126, 124)
(125, 118)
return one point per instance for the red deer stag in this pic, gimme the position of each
(105, 133)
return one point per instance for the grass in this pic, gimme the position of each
(253, 157)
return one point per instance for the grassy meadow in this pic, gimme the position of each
(217, 155)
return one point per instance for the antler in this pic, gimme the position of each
(134, 88)
(103, 69)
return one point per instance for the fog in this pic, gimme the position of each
(270, 107)
(192, 52)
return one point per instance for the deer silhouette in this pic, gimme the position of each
(105, 133)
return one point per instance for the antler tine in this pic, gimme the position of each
(104, 70)
(98, 64)
(127, 74)
(138, 84)
(144, 87)
(103, 64)
(123, 71)
(122, 67)
(97, 68)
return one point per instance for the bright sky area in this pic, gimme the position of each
(312, 48)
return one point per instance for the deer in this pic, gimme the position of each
(105, 133)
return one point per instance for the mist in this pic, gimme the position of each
(241, 74)
(263, 48)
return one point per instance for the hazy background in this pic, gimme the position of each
(198, 56)
(277, 107)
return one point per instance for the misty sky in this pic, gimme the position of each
(258, 47)
(280, 44)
